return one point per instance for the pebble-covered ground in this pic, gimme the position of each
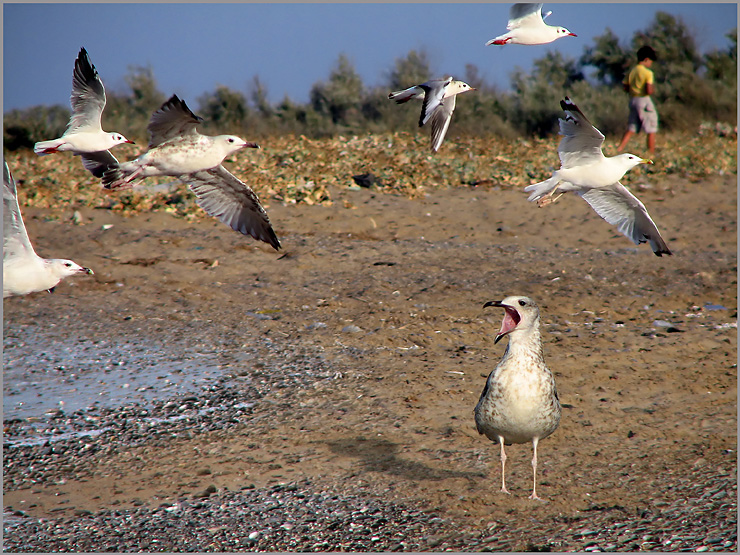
(303, 517)
(300, 518)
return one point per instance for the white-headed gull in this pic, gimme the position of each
(84, 134)
(175, 147)
(527, 26)
(178, 150)
(520, 402)
(595, 178)
(24, 271)
(439, 103)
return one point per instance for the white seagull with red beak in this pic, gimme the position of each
(519, 403)
(527, 26)
(24, 271)
(84, 135)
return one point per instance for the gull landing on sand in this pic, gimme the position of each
(519, 403)
(84, 135)
(439, 103)
(527, 26)
(177, 149)
(587, 172)
(24, 271)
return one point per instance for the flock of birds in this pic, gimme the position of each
(520, 402)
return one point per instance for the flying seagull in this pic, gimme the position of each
(595, 178)
(24, 271)
(84, 135)
(177, 149)
(527, 26)
(439, 103)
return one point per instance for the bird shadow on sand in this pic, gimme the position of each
(380, 455)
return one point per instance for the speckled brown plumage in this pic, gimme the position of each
(520, 402)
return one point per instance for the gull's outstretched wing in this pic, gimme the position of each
(624, 210)
(441, 118)
(434, 92)
(97, 163)
(227, 198)
(15, 238)
(525, 15)
(581, 142)
(173, 119)
(88, 96)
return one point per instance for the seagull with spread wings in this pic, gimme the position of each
(84, 135)
(594, 177)
(24, 271)
(177, 149)
(527, 26)
(438, 105)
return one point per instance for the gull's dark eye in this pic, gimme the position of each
(522, 303)
(68, 265)
(231, 140)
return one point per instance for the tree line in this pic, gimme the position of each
(691, 88)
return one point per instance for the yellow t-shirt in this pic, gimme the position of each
(638, 79)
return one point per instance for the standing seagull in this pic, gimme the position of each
(595, 178)
(439, 103)
(527, 26)
(520, 402)
(84, 135)
(177, 149)
(24, 271)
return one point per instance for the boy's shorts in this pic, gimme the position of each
(643, 115)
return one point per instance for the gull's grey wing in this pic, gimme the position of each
(15, 237)
(88, 95)
(406, 94)
(441, 118)
(173, 119)
(227, 198)
(434, 92)
(97, 163)
(524, 13)
(621, 208)
(581, 142)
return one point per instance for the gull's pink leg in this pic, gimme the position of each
(131, 176)
(503, 465)
(534, 471)
(547, 199)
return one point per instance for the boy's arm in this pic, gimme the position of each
(626, 83)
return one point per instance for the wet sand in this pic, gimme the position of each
(347, 366)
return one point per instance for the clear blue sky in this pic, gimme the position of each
(192, 48)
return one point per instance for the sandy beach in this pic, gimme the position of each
(316, 398)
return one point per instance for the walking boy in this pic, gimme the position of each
(640, 84)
